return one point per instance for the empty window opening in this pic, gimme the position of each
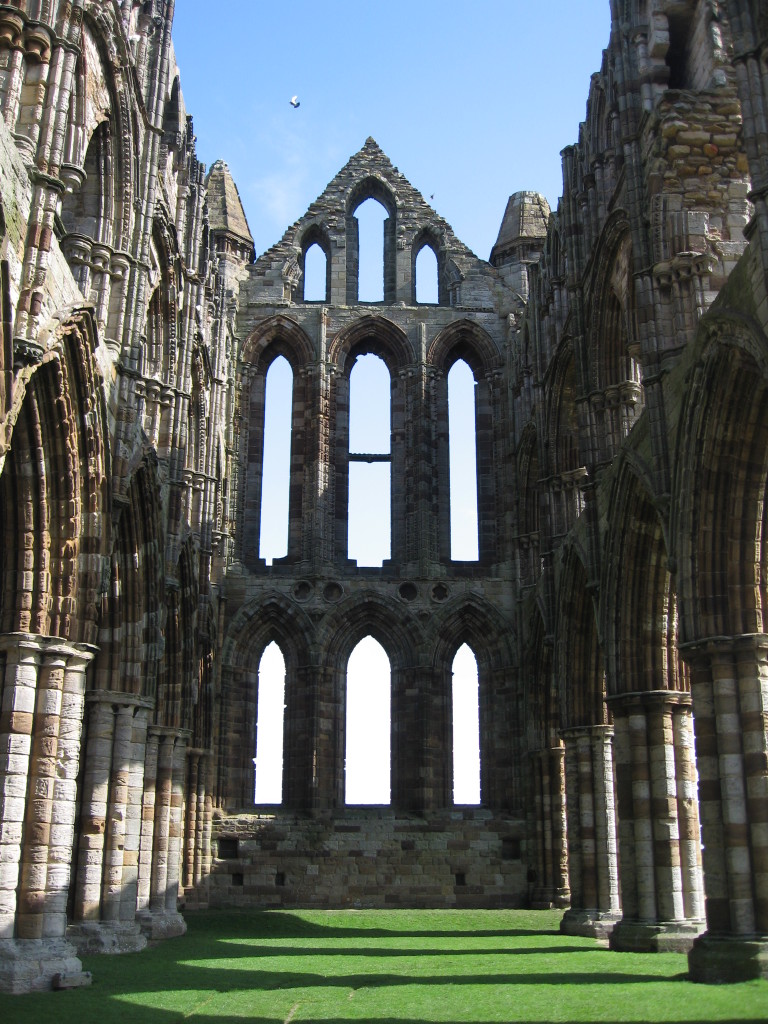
(461, 877)
(426, 275)
(276, 467)
(371, 216)
(238, 878)
(315, 274)
(677, 53)
(270, 711)
(228, 848)
(510, 848)
(463, 463)
(466, 728)
(367, 775)
(370, 462)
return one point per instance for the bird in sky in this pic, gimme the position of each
(295, 101)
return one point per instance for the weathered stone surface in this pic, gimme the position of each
(619, 348)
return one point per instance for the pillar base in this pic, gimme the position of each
(157, 925)
(547, 899)
(655, 936)
(30, 965)
(106, 937)
(718, 960)
(591, 923)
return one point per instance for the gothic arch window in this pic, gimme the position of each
(367, 762)
(370, 461)
(315, 266)
(315, 274)
(357, 289)
(465, 704)
(277, 338)
(377, 453)
(462, 445)
(467, 344)
(276, 466)
(427, 270)
(270, 705)
(426, 284)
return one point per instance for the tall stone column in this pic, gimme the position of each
(729, 684)
(107, 885)
(551, 883)
(40, 735)
(593, 868)
(176, 833)
(163, 919)
(147, 823)
(659, 862)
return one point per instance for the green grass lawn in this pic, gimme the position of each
(383, 966)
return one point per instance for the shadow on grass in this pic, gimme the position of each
(193, 975)
(228, 949)
(271, 923)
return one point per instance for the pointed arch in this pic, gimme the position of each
(273, 618)
(316, 234)
(371, 187)
(428, 238)
(579, 667)
(279, 335)
(639, 593)
(353, 619)
(467, 341)
(131, 635)
(722, 466)
(275, 337)
(472, 621)
(53, 493)
(375, 335)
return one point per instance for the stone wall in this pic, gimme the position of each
(370, 858)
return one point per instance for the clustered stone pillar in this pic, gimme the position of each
(551, 882)
(593, 869)
(162, 919)
(729, 683)
(659, 850)
(111, 819)
(40, 736)
(197, 827)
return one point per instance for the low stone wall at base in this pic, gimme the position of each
(369, 858)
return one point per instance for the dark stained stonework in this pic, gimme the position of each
(619, 346)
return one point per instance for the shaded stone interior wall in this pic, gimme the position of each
(370, 858)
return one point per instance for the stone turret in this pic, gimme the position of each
(226, 216)
(521, 238)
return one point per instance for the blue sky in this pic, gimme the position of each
(471, 101)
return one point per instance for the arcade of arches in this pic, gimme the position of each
(615, 357)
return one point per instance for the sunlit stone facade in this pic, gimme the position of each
(619, 348)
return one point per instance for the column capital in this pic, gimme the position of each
(626, 703)
(708, 647)
(47, 646)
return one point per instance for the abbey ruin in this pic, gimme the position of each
(615, 609)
